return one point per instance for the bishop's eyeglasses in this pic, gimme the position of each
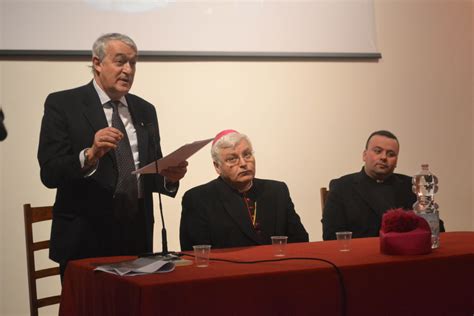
(234, 160)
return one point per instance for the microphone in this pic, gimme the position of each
(164, 239)
(3, 130)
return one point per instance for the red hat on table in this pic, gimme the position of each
(404, 233)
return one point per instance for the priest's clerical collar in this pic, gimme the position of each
(251, 193)
(250, 187)
(380, 181)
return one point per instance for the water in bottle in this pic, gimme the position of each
(425, 185)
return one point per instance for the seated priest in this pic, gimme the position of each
(237, 209)
(358, 201)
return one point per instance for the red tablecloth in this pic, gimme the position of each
(440, 283)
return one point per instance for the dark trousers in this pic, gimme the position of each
(129, 239)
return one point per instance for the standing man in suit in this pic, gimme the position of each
(356, 202)
(3, 130)
(237, 209)
(92, 138)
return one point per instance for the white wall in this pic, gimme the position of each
(308, 120)
(472, 102)
(2, 213)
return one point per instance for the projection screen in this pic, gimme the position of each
(328, 28)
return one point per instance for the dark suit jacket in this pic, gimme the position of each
(3, 130)
(215, 214)
(354, 205)
(83, 222)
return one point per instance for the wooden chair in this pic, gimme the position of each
(324, 194)
(34, 215)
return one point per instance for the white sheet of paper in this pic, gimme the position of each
(137, 267)
(172, 160)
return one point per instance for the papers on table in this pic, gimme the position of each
(146, 265)
(179, 155)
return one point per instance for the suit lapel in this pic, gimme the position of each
(362, 187)
(377, 202)
(93, 109)
(141, 129)
(94, 113)
(401, 198)
(234, 205)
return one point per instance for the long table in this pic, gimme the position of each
(440, 283)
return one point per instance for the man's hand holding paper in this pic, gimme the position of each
(174, 166)
(175, 173)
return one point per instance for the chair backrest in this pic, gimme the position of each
(324, 194)
(34, 215)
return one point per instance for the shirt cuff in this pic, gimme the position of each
(170, 186)
(88, 170)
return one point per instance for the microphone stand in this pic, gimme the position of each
(164, 254)
(164, 238)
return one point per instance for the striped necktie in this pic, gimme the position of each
(126, 189)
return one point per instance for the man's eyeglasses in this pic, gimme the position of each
(234, 160)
